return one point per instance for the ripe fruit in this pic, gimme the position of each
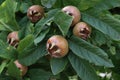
(82, 30)
(13, 39)
(22, 68)
(35, 13)
(57, 46)
(72, 11)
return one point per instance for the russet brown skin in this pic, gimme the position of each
(22, 68)
(35, 13)
(57, 46)
(82, 30)
(73, 11)
(13, 38)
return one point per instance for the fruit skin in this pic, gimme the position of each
(82, 30)
(13, 38)
(22, 68)
(35, 13)
(73, 11)
(57, 46)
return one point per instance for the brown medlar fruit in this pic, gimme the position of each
(82, 30)
(35, 13)
(72, 11)
(13, 38)
(57, 46)
(22, 68)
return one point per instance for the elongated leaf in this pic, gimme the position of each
(101, 26)
(47, 20)
(48, 3)
(34, 55)
(89, 52)
(98, 38)
(58, 65)
(41, 36)
(9, 8)
(82, 4)
(13, 70)
(112, 21)
(102, 6)
(6, 51)
(2, 66)
(84, 70)
(39, 74)
(63, 21)
(26, 42)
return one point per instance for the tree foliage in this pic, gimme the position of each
(86, 59)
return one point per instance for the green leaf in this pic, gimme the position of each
(2, 66)
(58, 65)
(112, 21)
(48, 3)
(84, 70)
(13, 70)
(45, 21)
(9, 8)
(24, 7)
(25, 43)
(98, 38)
(39, 74)
(34, 55)
(102, 26)
(102, 6)
(82, 4)
(41, 36)
(89, 52)
(3, 35)
(63, 21)
(6, 51)
(5, 27)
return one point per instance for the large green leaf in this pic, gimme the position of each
(8, 9)
(112, 21)
(3, 65)
(39, 74)
(98, 38)
(34, 55)
(58, 65)
(4, 35)
(89, 52)
(103, 5)
(82, 4)
(84, 70)
(45, 21)
(13, 70)
(6, 51)
(25, 43)
(48, 3)
(63, 21)
(41, 36)
(102, 26)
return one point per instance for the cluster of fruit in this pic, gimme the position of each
(56, 45)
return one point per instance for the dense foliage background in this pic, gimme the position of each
(97, 58)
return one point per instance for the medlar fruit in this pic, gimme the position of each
(57, 46)
(22, 68)
(13, 38)
(82, 30)
(72, 11)
(35, 13)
